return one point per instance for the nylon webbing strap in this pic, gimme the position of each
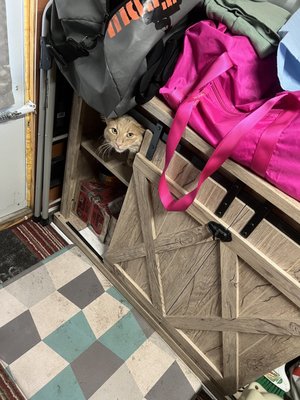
(66, 50)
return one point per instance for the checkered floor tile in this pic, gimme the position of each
(67, 334)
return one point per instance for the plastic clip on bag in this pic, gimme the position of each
(234, 106)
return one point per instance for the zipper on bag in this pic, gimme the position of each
(221, 100)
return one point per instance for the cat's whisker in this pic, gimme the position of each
(103, 146)
(106, 152)
(101, 150)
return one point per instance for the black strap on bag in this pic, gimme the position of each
(162, 58)
(161, 61)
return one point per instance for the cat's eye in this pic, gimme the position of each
(129, 134)
(114, 131)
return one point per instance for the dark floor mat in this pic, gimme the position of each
(14, 256)
(24, 245)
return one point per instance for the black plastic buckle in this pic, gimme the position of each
(219, 232)
(259, 215)
(228, 198)
(88, 43)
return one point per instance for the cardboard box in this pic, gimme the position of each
(99, 202)
(102, 215)
(88, 191)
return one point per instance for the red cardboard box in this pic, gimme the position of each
(88, 191)
(102, 213)
(99, 202)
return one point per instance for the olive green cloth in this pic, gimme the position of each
(259, 20)
(289, 5)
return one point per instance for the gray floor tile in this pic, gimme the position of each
(83, 289)
(17, 337)
(94, 367)
(146, 328)
(32, 287)
(172, 385)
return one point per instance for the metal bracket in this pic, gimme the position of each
(233, 191)
(29, 107)
(259, 215)
(158, 128)
(219, 232)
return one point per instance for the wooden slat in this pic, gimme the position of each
(194, 280)
(281, 200)
(70, 176)
(117, 166)
(280, 279)
(279, 327)
(169, 242)
(143, 203)
(136, 268)
(272, 350)
(30, 11)
(229, 297)
(15, 218)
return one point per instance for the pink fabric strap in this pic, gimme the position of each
(267, 142)
(222, 151)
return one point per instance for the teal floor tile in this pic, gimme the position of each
(72, 338)
(63, 387)
(117, 295)
(125, 337)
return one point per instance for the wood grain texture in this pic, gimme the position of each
(116, 165)
(136, 268)
(15, 218)
(196, 289)
(270, 351)
(260, 326)
(168, 242)
(74, 140)
(270, 271)
(253, 256)
(30, 15)
(141, 186)
(259, 298)
(229, 296)
(258, 260)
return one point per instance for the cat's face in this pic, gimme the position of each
(124, 133)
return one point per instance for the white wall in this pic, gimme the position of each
(12, 134)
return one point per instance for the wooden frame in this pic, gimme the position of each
(168, 265)
(30, 24)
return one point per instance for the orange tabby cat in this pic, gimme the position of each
(122, 134)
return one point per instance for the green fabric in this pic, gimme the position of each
(260, 21)
(290, 5)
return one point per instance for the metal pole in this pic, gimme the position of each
(48, 142)
(45, 64)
